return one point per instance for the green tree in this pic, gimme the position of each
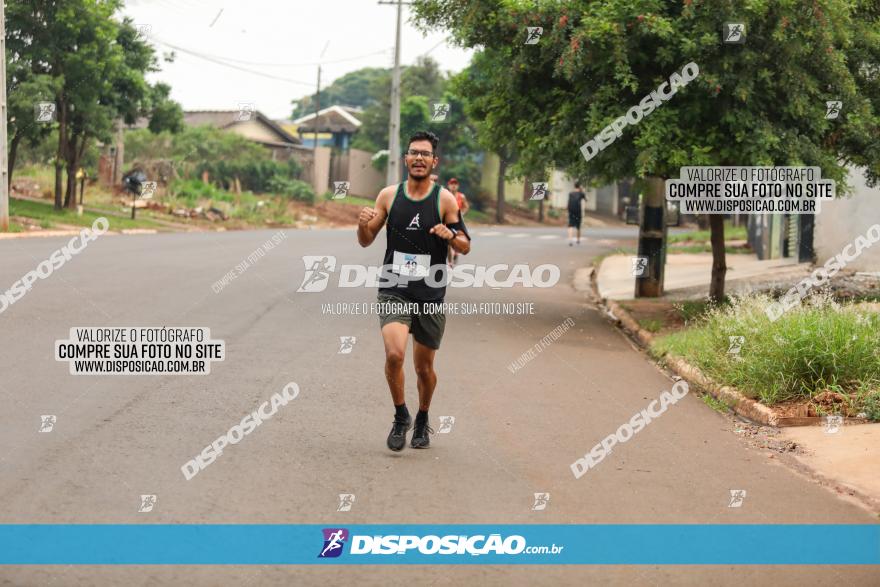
(96, 65)
(758, 103)
(164, 113)
(27, 86)
(25, 92)
(422, 85)
(352, 89)
(424, 79)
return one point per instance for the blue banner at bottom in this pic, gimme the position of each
(280, 544)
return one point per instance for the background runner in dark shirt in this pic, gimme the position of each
(574, 213)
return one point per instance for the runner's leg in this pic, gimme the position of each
(394, 335)
(423, 358)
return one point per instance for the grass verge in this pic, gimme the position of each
(48, 216)
(818, 347)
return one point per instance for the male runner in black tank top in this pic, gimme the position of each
(423, 221)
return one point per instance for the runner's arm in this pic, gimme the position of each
(371, 220)
(465, 205)
(461, 242)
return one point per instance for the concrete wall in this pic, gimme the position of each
(255, 130)
(316, 167)
(357, 166)
(841, 221)
(513, 190)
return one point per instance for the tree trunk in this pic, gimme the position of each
(70, 191)
(499, 205)
(13, 151)
(59, 177)
(75, 150)
(60, 155)
(70, 185)
(719, 261)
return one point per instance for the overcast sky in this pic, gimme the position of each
(280, 39)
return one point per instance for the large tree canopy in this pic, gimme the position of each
(761, 102)
(95, 67)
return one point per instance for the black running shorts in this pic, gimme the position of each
(426, 327)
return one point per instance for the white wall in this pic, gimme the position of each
(561, 185)
(841, 221)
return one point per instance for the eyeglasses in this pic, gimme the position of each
(422, 154)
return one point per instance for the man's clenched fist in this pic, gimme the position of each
(366, 215)
(442, 231)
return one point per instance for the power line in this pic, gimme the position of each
(230, 65)
(276, 64)
(312, 64)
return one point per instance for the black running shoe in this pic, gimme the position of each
(397, 436)
(420, 435)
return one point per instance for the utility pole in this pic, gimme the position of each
(652, 239)
(4, 155)
(393, 175)
(318, 99)
(317, 108)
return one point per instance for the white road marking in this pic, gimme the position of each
(548, 236)
(518, 235)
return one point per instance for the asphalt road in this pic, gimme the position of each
(515, 434)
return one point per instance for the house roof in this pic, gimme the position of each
(225, 119)
(331, 119)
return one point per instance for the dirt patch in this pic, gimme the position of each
(821, 404)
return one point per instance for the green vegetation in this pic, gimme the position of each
(89, 68)
(292, 188)
(707, 248)
(542, 102)
(697, 241)
(49, 217)
(349, 199)
(226, 157)
(816, 347)
(651, 324)
(702, 236)
(693, 310)
(248, 207)
(716, 404)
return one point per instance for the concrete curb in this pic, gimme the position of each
(51, 233)
(739, 403)
(37, 234)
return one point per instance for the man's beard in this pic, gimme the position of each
(420, 173)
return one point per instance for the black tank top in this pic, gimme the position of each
(412, 250)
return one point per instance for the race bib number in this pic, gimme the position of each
(411, 265)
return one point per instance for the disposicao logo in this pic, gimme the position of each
(334, 540)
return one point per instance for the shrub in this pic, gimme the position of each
(292, 188)
(223, 154)
(254, 174)
(817, 346)
(191, 191)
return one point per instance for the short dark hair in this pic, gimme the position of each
(425, 135)
(577, 184)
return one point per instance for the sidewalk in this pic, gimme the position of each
(847, 460)
(850, 457)
(687, 274)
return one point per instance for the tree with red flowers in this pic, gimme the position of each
(761, 102)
